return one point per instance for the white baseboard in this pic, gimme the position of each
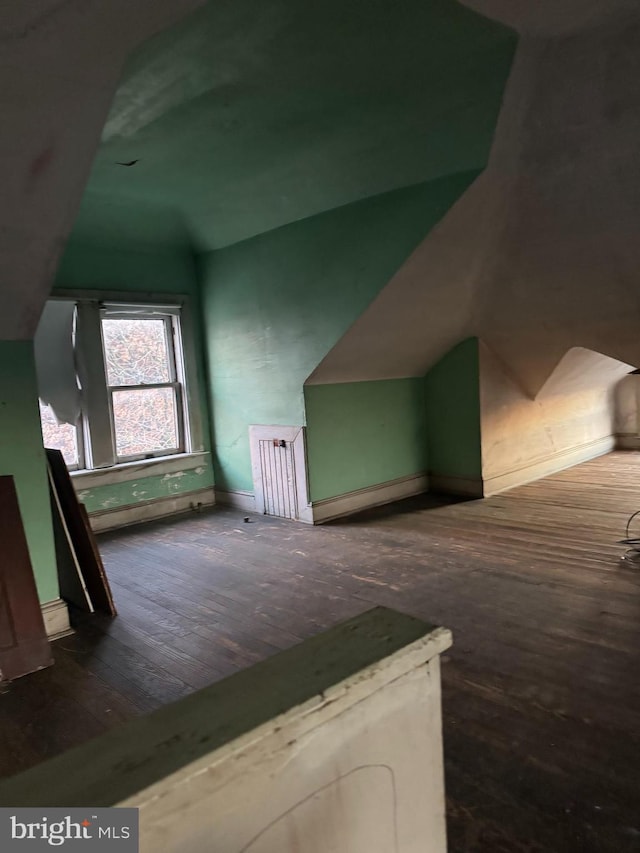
(109, 519)
(56, 619)
(627, 441)
(246, 501)
(549, 465)
(469, 487)
(372, 496)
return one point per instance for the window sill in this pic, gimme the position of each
(126, 471)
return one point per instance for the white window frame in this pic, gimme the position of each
(171, 321)
(96, 432)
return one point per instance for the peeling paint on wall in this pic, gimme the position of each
(119, 264)
(108, 503)
(146, 489)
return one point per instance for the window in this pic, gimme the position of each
(133, 401)
(145, 394)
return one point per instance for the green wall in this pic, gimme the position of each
(276, 304)
(143, 489)
(22, 455)
(304, 150)
(127, 268)
(94, 266)
(360, 434)
(452, 389)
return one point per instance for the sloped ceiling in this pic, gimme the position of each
(60, 63)
(541, 253)
(256, 113)
(553, 17)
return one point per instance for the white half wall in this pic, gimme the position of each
(335, 744)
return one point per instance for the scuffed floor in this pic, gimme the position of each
(541, 687)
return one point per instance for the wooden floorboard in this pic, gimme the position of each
(541, 690)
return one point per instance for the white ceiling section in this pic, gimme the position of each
(552, 17)
(541, 254)
(60, 63)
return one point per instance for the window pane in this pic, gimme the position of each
(145, 420)
(136, 352)
(59, 436)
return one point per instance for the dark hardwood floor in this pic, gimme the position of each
(541, 688)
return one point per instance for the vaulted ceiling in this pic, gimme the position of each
(255, 113)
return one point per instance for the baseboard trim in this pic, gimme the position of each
(468, 487)
(56, 619)
(627, 441)
(549, 465)
(237, 499)
(124, 516)
(372, 496)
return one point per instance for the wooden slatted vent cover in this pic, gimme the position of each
(278, 469)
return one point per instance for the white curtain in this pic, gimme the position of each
(55, 361)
